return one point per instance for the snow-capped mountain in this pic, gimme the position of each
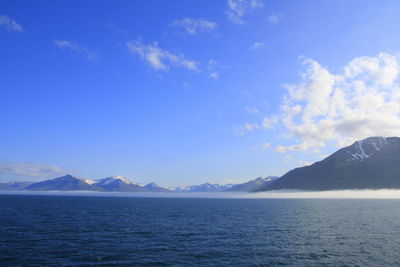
(69, 183)
(207, 187)
(372, 163)
(118, 184)
(253, 185)
(363, 149)
(64, 183)
(113, 179)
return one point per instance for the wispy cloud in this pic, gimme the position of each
(269, 122)
(361, 100)
(31, 169)
(274, 18)
(304, 163)
(262, 147)
(237, 9)
(256, 45)
(159, 59)
(212, 65)
(192, 26)
(67, 45)
(10, 25)
(247, 127)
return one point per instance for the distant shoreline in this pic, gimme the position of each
(283, 194)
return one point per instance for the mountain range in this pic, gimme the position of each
(253, 185)
(207, 187)
(371, 163)
(122, 184)
(108, 184)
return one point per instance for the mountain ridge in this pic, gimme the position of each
(253, 185)
(371, 163)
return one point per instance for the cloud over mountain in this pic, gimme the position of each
(362, 99)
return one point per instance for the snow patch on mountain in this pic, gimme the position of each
(113, 179)
(363, 149)
(206, 187)
(88, 181)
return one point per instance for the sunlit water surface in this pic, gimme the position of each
(85, 230)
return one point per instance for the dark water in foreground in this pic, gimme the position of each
(67, 230)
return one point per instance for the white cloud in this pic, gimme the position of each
(63, 44)
(247, 127)
(304, 146)
(274, 18)
(194, 26)
(66, 44)
(237, 9)
(31, 169)
(256, 45)
(159, 59)
(10, 25)
(360, 100)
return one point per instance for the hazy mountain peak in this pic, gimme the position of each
(253, 185)
(153, 187)
(206, 187)
(67, 177)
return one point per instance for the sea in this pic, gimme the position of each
(52, 230)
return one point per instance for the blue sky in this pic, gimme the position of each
(184, 92)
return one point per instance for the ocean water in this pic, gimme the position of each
(124, 231)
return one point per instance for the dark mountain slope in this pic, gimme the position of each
(372, 163)
(64, 183)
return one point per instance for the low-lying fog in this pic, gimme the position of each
(366, 194)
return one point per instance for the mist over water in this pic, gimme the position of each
(339, 194)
